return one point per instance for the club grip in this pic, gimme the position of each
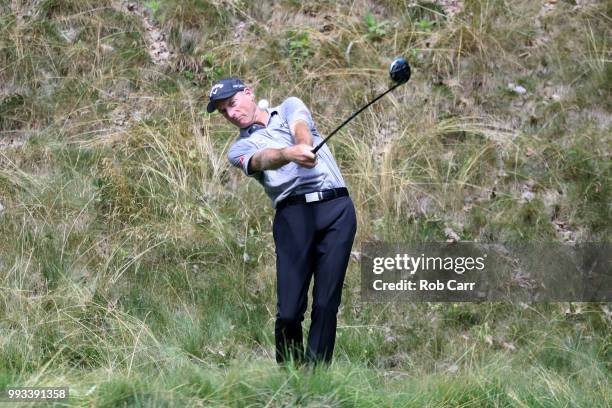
(317, 147)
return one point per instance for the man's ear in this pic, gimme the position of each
(249, 92)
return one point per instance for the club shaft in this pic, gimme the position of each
(352, 116)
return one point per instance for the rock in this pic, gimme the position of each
(451, 7)
(564, 232)
(573, 310)
(453, 368)
(70, 34)
(551, 199)
(517, 88)
(607, 311)
(389, 337)
(527, 196)
(239, 29)
(448, 156)
(1, 208)
(526, 191)
(424, 205)
(451, 236)
(107, 48)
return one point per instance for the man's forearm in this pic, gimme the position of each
(272, 159)
(301, 133)
(267, 159)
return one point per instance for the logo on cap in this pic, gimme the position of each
(214, 90)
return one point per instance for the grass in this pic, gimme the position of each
(137, 267)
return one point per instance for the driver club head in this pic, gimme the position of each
(399, 70)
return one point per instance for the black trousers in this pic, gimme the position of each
(311, 239)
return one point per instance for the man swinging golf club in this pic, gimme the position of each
(314, 225)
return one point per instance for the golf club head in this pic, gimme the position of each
(399, 70)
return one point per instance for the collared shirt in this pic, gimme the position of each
(290, 179)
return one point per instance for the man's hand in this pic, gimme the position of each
(300, 154)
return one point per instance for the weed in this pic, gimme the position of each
(424, 24)
(153, 6)
(376, 29)
(299, 46)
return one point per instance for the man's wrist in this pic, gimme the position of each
(284, 154)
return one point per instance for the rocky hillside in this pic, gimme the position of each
(136, 265)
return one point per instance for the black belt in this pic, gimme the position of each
(314, 197)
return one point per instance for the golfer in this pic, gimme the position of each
(314, 225)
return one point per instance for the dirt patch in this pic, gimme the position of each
(157, 46)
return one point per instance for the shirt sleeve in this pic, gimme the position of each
(294, 109)
(240, 154)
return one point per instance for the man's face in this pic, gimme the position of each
(239, 109)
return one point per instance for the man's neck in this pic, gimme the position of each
(261, 117)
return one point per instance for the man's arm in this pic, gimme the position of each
(301, 132)
(298, 117)
(272, 159)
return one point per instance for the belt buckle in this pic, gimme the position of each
(312, 197)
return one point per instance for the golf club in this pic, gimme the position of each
(399, 71)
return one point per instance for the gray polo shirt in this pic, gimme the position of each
(291, 178)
